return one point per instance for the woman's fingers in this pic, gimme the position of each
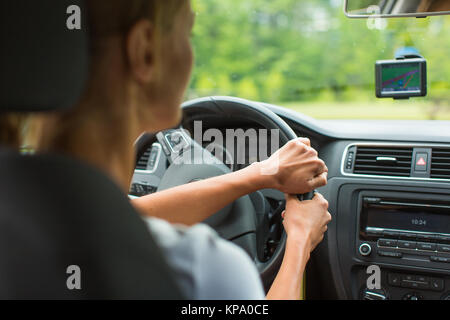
(304, 141)
(318, 181)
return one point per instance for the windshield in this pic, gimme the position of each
(307, 56)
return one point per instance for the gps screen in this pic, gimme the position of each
(398, 78)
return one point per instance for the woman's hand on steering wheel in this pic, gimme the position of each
(306, 221)
(295, 168)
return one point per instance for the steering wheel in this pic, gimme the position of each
(237, 222)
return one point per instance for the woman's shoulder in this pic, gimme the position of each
(198, 242)
(207, 266)
(168, 235)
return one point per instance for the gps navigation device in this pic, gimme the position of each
(401, 79)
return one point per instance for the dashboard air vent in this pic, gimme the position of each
(143, 160)
(440, 163)
(383, 161)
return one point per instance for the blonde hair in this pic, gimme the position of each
(11, 129)
(109, 18)
(105, 18)
(112, 17)
(424, 5)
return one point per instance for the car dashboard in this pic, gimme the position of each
(389, 195)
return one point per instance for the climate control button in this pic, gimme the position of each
(437, 284)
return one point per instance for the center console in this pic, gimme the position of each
(405, 231)
(404, 228)
(410, 229)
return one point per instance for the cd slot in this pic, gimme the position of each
(414, 205)
(399, 233)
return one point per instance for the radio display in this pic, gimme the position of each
(431, 220)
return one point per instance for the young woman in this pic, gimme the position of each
(141, 64)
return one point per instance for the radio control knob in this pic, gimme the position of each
(365, 249)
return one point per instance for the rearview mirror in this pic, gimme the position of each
(395, 8)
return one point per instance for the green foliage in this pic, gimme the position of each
(289, 51)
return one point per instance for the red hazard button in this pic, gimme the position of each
(421, 162)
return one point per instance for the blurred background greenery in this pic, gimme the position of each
(307, 56)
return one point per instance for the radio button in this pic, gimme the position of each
(426, 236)
(406, 244)
(390, 254)
(443, 248)
(440, 259)
(426, 246)
(387, 243)
(441, 237)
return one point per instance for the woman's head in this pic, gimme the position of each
(143, 46)
(141, 60)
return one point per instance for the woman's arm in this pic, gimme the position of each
(305, 224)
(194, 202)
(295, 168)
(288, 282)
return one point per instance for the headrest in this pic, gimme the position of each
(44, 54)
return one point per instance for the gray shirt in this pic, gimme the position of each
(205, 265)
